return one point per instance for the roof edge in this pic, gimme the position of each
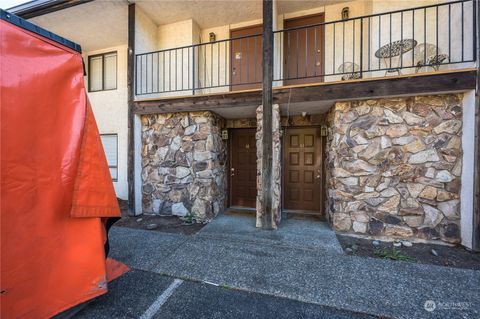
(37, 8)
(24, 24)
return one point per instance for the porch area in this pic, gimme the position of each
(308, 234)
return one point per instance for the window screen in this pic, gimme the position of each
(110, 147)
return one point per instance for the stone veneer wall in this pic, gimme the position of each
(276, 178)
(394, 167)
(183, 164)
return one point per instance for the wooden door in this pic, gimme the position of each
(303, 187)
(304, 50)
(246, 59)
(243, 168)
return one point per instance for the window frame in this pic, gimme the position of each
(102, 55)
(116, 164)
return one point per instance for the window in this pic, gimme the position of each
(110, 147)
(102, 72)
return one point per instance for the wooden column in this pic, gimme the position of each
(131, 97)
(267, 98)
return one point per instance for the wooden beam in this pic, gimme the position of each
(439, 82)
(407, 85)
(267, 98)
(199, 103)
(131, 98)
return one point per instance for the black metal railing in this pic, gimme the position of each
(412, 40)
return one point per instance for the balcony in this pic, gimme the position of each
(409, 41)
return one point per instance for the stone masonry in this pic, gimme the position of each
(183, 164)
(276, 178)
(394, 167)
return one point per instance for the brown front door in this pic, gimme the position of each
(303, 169)
(304, 50)
(243, 170)
(246, 59)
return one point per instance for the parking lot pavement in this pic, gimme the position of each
(264, 262)
(145, 295)
(128, 296)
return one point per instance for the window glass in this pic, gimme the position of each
(110, 64)
(95, 76)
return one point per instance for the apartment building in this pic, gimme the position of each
(374, 115)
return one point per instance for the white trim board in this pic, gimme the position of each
(137, 163)
(468, 169)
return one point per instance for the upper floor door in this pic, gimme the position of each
(246, 58)
(304, 50)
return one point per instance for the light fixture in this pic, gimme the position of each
(304, 114)
(324, 130)
(345, 13)
(225, 134)
(212, 37)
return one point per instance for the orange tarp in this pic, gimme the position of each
(56, 189)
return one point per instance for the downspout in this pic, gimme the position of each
(131, 99)
(476, 187)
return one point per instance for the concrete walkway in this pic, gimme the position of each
(300, 234)
(301, 261)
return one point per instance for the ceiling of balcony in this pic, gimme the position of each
(94, 25)
(211, 13)
(242, 112)
(107, 27)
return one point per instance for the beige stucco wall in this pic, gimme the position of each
(175, 64)
(111, 113)
(146, 33)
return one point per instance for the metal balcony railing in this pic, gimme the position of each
(422, 39)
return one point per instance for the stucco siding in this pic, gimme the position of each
(111, 113)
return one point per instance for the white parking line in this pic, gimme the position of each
(157, 304)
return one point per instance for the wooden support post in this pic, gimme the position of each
(131, 97)
(267, 98)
